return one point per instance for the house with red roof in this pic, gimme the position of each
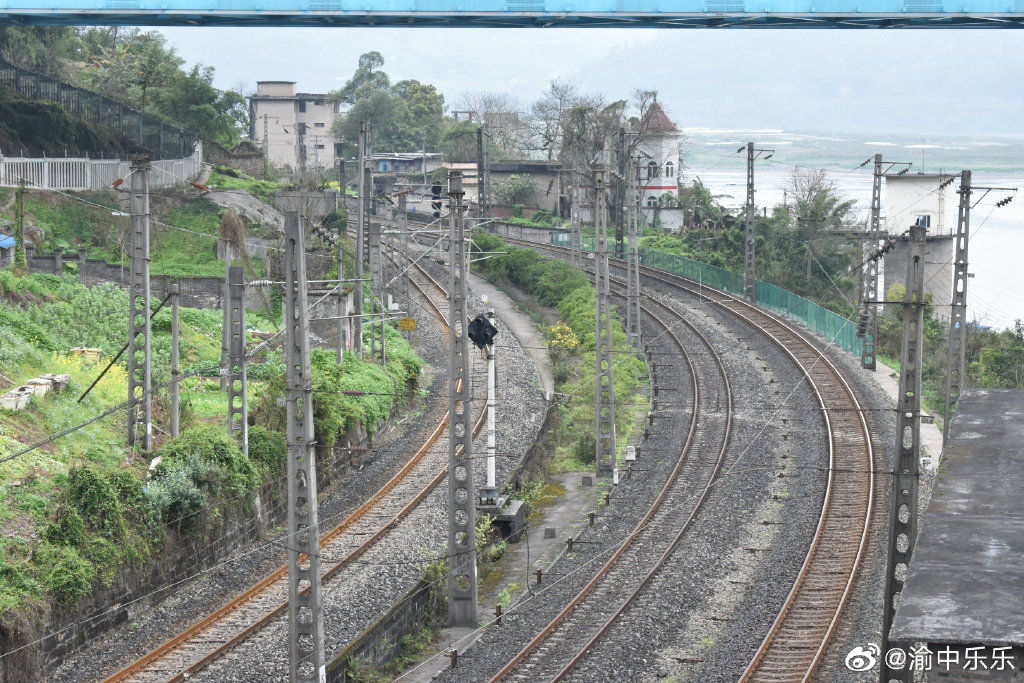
(658, 164)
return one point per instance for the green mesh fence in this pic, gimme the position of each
(822, 321)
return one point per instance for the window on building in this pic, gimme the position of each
(652, 170)
(318, 125)
(652, 201)
(319, 103)
(670, 170)
(339, 150)
(320, 147)
(302, 106)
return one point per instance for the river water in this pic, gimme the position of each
(996, 246)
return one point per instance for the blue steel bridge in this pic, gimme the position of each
(523, 13)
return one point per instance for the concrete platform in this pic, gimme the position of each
(965, 583)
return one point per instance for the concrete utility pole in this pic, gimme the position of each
(377, 351)
(749, 240)
(340, 304)
(305, 610)
(906, 477)
(869, 273)
(575, 235)
(492, 405)
(238, 389)
(175, 362)
(481, 192)
(362, 204)
(622, 162)
(140, 337)
(20, 261)
(462, 600)
(632, 260)
(749, 269)
(604, 448)
(958, 312)
(403, 243)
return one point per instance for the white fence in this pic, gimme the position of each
(93, 174)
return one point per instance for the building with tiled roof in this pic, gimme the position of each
(658, 169)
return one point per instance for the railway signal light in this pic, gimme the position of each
(435, 199)
(481, 331)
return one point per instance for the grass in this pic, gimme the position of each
(233, 179)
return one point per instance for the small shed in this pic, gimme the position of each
(6, 250)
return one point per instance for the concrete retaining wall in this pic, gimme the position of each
(196, 292)
(140, 586)
(382, 641)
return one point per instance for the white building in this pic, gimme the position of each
(658, 169)
(919, 198)
(293, 128)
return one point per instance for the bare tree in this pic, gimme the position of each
(502, 114)
(548, 115)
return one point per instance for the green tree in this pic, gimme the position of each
(367, 78)
(515, 190)
(126, 66)
(1001, 365)
(404, 117)
(458, 142)
(190, 100)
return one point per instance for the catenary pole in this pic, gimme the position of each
(175, 362)
(462, 586)
(604, 442)
(305, 609)
(958, 311)
(238, 403)
(906, 474)
(362, 205)
(140, 371)
(870, 271)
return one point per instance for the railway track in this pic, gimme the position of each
(794, 646)
(567, 639)
(210, 639)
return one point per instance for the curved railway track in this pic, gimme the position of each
(208, 640)
(566, 640)
(794, 646)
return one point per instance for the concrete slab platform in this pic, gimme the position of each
(965, 583)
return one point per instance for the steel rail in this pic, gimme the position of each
(785, 637)
(656, 568)
(612, 561)
(280, 574)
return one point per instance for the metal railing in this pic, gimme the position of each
(159, 139)
(832, 326)
(94, 174)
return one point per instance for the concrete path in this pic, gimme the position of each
(521, 325)
(539, 550)
(931, 436)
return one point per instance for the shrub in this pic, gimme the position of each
(175, 497)
(96, 500)
(204, 463)
(213, 445)
(67, 527)
(70, 575)
(267, 448)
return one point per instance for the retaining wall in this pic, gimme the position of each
(196, 292)
(139, 587)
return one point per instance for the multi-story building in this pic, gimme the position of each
(930, 200)
(294, 128)
(658, 169)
